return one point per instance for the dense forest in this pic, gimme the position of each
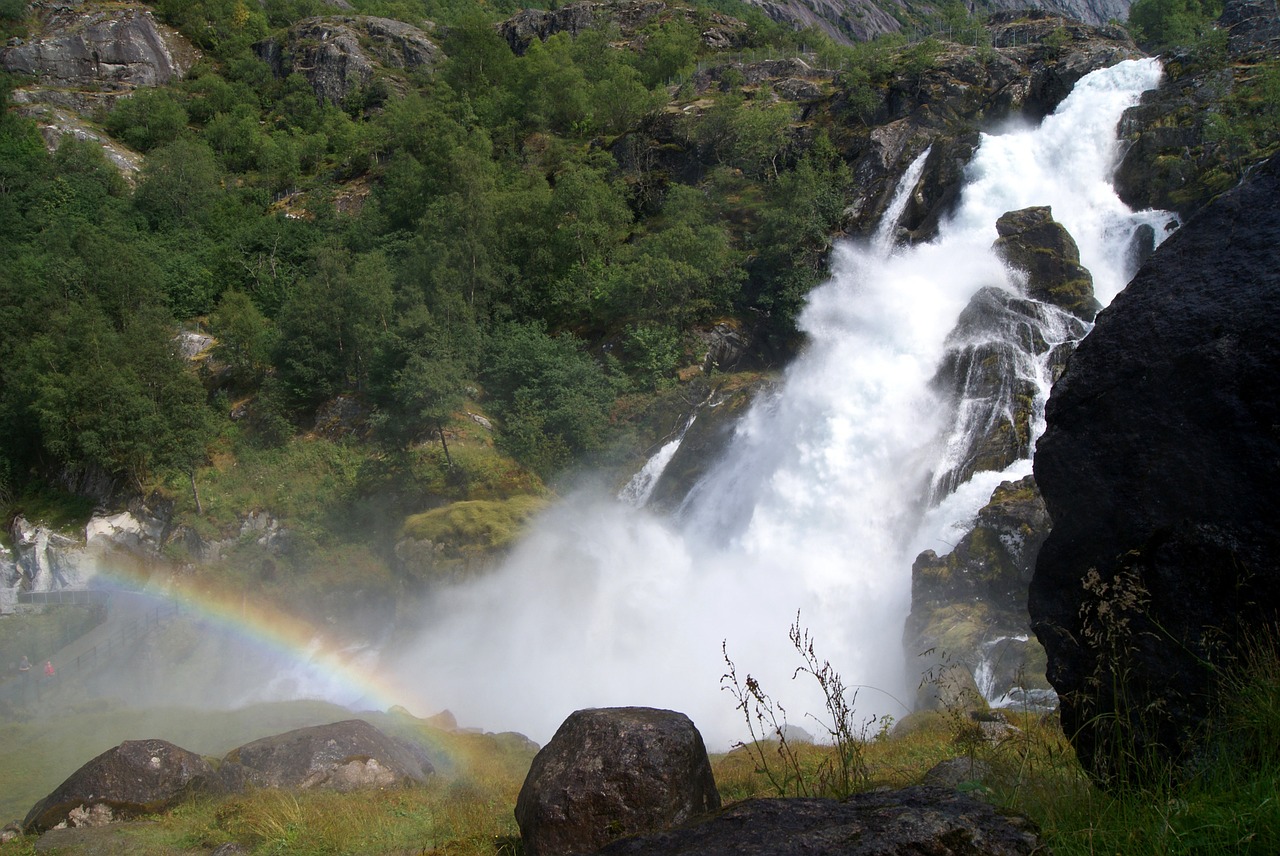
(529, 240)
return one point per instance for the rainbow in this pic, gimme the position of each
(341, 673)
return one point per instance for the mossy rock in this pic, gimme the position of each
(485, 523)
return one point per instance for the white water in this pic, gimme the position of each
(637, 491)
(817, 506)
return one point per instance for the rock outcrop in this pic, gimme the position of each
(969, 607)
(107, 49)
(1180, 150)
(1006, 347)
(934, 820)
(1035, 244)
(852, 21)
(629, 18)
(86, 56)
(342, 56)
(1034, 62)
(613, 772)
(136, 778)
(342, 756)
(1161, 470)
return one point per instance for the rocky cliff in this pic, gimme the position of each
(343, 56)
(85, 56)
(1215, 112)
(1160, 468)
(850, 21)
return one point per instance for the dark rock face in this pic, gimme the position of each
(932, 820)
(613, 772)
(340, 56)
(1033, 242)
(630, 17)
(969, 606)
(1160, 468)
(1023, 75)
(343, 756)
(137, 777)
(704, 441)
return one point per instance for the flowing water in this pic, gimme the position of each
(820, 503)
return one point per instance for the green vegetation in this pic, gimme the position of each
(1228, 806)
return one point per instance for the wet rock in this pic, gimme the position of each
(937, 821)
(613, 772)
(1032, 242)
(136, 778)
(968, 608)
(705, 440)
(1160, 467)
(342, 756)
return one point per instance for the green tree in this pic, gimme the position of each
(179, 185)
(147, 118)
(552, 397)
(329, 327)
(244, 341)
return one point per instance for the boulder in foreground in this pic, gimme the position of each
(933, 820)
(136, 778)
(342, 756)
(613, 772)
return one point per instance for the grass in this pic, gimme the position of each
(466, 810)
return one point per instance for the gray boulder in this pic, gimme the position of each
(1160, 468)
(136, 778)
(342, 756)
(933, 820)
(613, 772)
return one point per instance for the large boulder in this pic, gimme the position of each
(613, 772)
(1032, 242)
(342, 756)
(1160, 468)
(136, 778)
(934, 820)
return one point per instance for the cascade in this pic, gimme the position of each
(637, 491)
(818, 505)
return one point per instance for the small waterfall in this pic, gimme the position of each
(882, 241)
(821, 500)
(637, 491)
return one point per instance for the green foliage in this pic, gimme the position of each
(486, 525)
(146, 119)
(1161, 25)
(552, 397)
(244, 342)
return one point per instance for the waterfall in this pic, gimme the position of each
(637, 491)
(882, 241)
(819, 504)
